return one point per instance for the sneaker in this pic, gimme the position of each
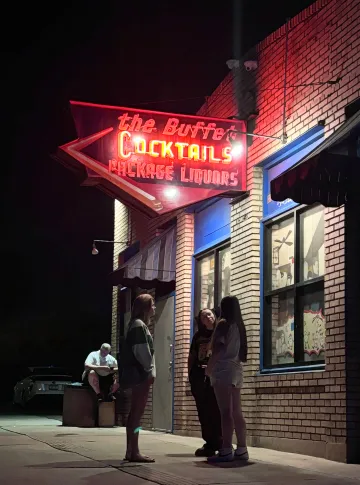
(241, 454)
(221, 458)
(204, 452)
(111, 398)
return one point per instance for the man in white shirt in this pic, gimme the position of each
(100, 373)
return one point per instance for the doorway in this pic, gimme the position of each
(164, 352)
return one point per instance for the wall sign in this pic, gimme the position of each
(162, 160)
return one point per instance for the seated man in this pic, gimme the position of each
(100, 373)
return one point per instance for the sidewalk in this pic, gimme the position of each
(40, 451)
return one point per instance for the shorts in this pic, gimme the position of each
(105, 382)
(232, 377)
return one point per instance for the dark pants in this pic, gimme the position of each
(105, 382)
(207, 408)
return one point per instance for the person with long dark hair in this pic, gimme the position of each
(206, 404)
(225, 369)
(138, 371)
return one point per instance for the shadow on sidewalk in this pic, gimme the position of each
(180, 455)
(231, 464)
(70, 464)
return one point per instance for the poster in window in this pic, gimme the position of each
(224, 272)
(207, 273)
(283, 329)
(282, 254)
(314, 333)
(285, 341)
(312, 263)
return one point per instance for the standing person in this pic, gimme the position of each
(138, 371)
(100, 373)
(225, 369)
(207, 408)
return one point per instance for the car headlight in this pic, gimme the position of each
(40, 387)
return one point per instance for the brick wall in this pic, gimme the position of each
(184, 410)
(121, 233)
(303, 412)
(352, 312)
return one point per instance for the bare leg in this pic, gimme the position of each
(138, 403)
(114, 387)
(223, 395)
(94, 381)
(239, 421)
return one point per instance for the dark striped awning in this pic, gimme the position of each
(328, 174)
(152, 267)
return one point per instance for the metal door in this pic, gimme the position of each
(163, 346)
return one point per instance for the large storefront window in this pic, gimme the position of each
(212, 278)
(294, 321)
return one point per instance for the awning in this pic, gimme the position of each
(327, 174)
(152, 267)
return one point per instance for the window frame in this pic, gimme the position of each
(297, 288)
(215, 250)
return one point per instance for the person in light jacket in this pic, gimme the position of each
(138, 371)
(225, 369)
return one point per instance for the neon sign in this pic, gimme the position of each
(158, 161)
(163, 149)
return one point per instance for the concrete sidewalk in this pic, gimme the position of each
(40, 451)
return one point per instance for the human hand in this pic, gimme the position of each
(105, 368)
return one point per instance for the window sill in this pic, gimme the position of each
(291, 370)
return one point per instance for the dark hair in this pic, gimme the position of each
(230, 311)
(141, 308)
(201, 327)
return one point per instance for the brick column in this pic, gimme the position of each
(352, 329)
(245, 284)
(333, 426)
(121, 231)
(184, 253)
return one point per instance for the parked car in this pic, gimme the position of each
(41, 382)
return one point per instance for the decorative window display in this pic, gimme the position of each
(282, 326)
(224, 272)
(282, 250)
(212, 278)
(312, 244)
(207, 274)
(294, 263)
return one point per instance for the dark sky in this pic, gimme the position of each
(139, 54)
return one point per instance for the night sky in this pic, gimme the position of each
(160, 55)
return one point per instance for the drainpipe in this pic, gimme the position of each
(237, 51)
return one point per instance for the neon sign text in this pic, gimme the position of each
(173, 126)
(128, 146)
(152, 171)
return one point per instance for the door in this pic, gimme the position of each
(163, 346)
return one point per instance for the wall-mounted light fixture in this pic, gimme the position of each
(95, 251)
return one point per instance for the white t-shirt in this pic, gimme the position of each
(95, 358)
(228, 368)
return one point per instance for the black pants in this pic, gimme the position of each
(207, 408)
(105, 382)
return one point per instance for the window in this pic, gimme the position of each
(294, 321)
(212, 278)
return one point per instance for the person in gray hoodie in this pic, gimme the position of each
(138, 371)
